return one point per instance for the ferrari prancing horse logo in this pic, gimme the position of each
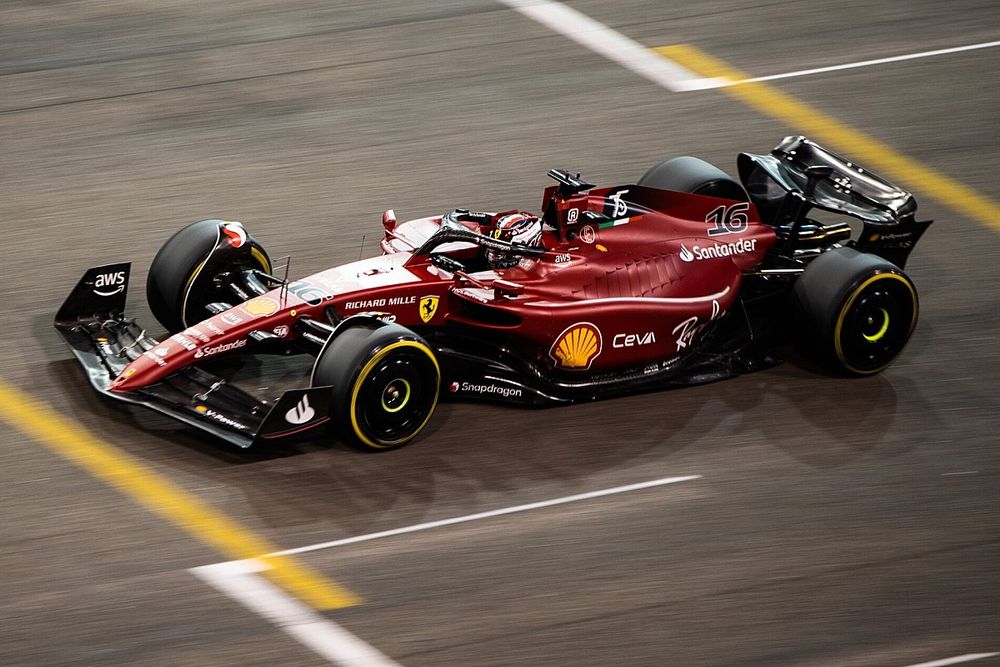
(428, 306)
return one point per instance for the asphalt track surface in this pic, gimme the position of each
(834, 522)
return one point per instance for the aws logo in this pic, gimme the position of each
(577, 346)
(109, 284)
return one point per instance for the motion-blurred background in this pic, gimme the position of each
(836, 522)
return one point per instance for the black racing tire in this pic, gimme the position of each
(386, 383)
(177, 287)
(857, 311)
(690, 174)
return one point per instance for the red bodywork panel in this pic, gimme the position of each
(632, 276)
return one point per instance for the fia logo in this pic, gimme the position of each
(301, 412)
(113, 283)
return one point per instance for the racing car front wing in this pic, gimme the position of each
(92, 321)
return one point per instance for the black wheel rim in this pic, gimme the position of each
(396, 397)
(876, 323)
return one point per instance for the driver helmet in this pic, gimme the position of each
(521, 228)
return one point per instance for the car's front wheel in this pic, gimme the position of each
(192, 269)
(386, 381)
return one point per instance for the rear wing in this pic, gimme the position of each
(888, 213)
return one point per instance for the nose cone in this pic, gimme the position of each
(226, 332)
(156, 363)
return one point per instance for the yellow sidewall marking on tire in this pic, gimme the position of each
(860, 147)
(254, 252)
(847, 307)
(161, 496)
(259, 255)
(364, 374)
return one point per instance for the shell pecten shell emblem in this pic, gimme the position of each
(260, 306)
(577, 346)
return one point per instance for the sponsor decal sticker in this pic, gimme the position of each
(301, 412)
(894, 239)
(184, 342)
(633, 340)
(563, 258)
(280, 331)
(688, 329)
(157, 360)
(195, 332)
(235, 233)
(453, 388)
(474, 294)
(210, 350)
(573, 215)
(617, 208)
(161, 351)
(717, 250)
(109, 284)
(587, 234)
(369, 304)
(231, 318)
(105, 347)
(428, 308)
(260, 306)
(491, 389)
(577, 346)
(221, 418)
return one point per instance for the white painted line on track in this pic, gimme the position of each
(240, 580)
(611, 44)
(486, 515)
(968, 657)
(718, 83)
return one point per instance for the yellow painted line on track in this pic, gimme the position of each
(158, 494)
(864, 149)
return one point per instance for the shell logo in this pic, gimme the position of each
(260, 306)
(577, 346)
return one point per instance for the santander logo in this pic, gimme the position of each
(301, 412)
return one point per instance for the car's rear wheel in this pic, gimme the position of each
(693, 175)
(188, 272)
(386, 382)
(857, 310)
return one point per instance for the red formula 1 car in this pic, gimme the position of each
(685, 277)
